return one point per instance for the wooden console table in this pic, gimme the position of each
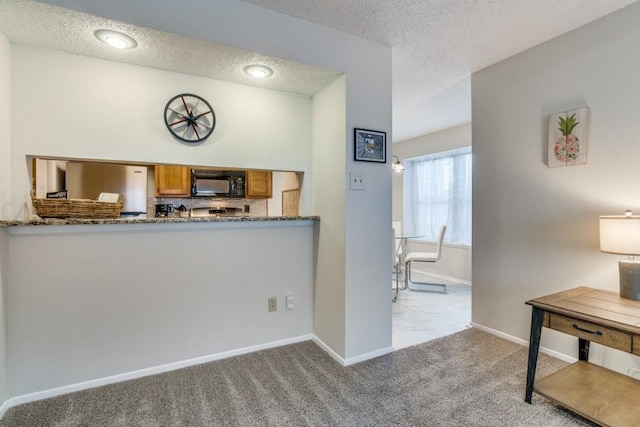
(593, 315)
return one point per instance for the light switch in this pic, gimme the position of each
(356, 180)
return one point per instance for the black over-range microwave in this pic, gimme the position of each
(212, 183)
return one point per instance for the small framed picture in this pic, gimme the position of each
(567, 140)
(370, 146)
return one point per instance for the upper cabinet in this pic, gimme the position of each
(173, 181)
(258, 184)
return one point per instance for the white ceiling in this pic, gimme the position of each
(437, 44)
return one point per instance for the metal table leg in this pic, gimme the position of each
(537, 316)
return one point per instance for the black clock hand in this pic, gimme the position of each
(185, 106)
(195, 129)
(178, 122)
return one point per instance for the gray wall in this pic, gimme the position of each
(535, 229)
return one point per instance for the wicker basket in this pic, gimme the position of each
(77, 208)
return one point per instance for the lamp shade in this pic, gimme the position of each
(620, 234)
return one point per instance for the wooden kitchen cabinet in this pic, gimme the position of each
(258, 184)
(173, 181)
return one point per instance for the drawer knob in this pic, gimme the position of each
(586, 330)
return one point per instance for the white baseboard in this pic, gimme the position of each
(441, 276)
(3, 408)
(53, 392)
(351, 360)
(335, 356)
(39, 395)
(367, 356)
(31, 397)
(525, 343)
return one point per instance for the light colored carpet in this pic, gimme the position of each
(470, 378)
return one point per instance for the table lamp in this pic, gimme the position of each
(620, 234)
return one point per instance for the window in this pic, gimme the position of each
(439, 192)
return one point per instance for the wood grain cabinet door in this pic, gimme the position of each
(173, 181)
(259, 184)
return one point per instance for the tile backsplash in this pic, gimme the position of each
(257, 207)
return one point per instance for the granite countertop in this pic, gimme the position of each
(138, 220)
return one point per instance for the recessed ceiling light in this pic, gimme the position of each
(116, 39)
(258, 71)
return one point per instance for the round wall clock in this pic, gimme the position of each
(189, 118)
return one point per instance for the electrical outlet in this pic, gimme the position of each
(289, 301)
(272, 304)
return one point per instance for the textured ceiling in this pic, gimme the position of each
(32, 23)
(437, 44)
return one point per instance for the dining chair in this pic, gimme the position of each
(397, 228)
(395, 262)
(424, 257)
(397, 225)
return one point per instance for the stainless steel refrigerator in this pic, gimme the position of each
(87, 180)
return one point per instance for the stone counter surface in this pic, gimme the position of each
(138, 220)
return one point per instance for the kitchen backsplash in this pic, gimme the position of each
(257, 207)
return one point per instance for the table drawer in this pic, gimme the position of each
(591, 332)
(636, 345)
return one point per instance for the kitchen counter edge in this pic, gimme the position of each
(78, 221)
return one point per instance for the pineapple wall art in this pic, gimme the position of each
(568, 138)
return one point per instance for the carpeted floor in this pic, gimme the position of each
(470, 378)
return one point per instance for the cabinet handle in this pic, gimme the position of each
(586, 330)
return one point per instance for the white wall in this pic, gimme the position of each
(95, 109)
(281, 181)
(5, 124)
(353, 250)
(367, 66)
(329, 111)
(149, 295)
(4, 199)
(353, 320)
(50, 176)
(4, 283)
(368, 213)
(455, 263)
(535, 229)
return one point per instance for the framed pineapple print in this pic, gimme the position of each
(567, 142)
